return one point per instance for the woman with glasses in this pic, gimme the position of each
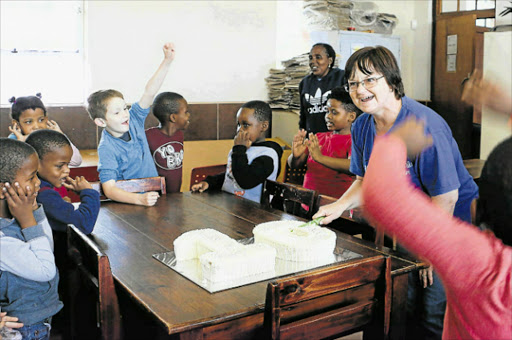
(375, 86)
(315, 88)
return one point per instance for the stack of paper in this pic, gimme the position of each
(283, 85)
(328, 14)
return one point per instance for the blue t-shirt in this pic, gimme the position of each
(118, 159)
(437, 170)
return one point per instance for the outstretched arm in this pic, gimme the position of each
(120, 195)
(154, 84)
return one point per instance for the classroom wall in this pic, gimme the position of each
(292, 38)
(224, 48)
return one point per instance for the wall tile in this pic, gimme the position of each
(227, 119)
(203, 122)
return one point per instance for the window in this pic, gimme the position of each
(42, 51)
(448, 6)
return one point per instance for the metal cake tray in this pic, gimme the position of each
(191, 269)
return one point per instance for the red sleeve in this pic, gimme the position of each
(453, 247)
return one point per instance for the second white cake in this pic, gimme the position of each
(294, 243)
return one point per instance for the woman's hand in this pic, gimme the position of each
(299, 143)
(330, 211)
(9, 321)
(314, 147)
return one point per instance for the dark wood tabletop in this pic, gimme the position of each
(130, 235)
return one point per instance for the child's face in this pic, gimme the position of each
(247, 122)
(182, 118)
(337, 118)
(54, 167)
(117, 117)
(32, 120)
(27, 175)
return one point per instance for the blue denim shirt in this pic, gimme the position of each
(31, 301)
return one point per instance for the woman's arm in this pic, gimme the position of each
(350, 199)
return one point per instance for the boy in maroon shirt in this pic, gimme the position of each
(166, 140)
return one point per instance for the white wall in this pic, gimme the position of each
(293, 38)
(224, 49)
(498, 68)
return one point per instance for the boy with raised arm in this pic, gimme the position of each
(123, 151)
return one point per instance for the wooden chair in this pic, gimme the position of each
(353, 226)
(332, 301)
(100, 319)
(200, 173)
(295, 175)
(288, 198)
(135, 185)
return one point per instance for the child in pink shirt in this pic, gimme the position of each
(475, 266)
(328, 153)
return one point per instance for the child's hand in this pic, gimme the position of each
(148, 199)
(21, 203)
(242, 138)
(299, 143)
(78, 184)
(17, 132)
(52, 125)
(67, 199)
(412, 133)
(169, 51)
(314, 147)
(201, 186)
(9, 321)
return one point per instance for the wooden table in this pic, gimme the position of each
(130, 235)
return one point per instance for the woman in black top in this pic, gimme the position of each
(315, 87)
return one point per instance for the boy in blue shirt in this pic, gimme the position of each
(123, 151)
(28, 276)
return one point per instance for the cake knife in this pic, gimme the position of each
(311, 223)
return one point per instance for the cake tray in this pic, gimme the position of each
(191, 269)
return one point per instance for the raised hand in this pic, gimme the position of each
(21, 203)
(149, 198)
(15, 128)
(314, 147)
(412, 132)
(52, 125)
(479, 91)
(200, 187)
(78, 184)
(299, 143)
(169, 51)
(242, 138)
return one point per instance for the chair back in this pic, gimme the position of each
(199, 174)
(331, 301)
(288, 198)
(92, 281)
(135, 185)
(295, 175)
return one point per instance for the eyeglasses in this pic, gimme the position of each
(367, 83)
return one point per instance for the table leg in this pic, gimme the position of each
(398, 307)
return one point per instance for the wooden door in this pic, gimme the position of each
(447, 89)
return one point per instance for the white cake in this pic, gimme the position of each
(294, 243)
(221, 257)
(193, 244)
(232, 264)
